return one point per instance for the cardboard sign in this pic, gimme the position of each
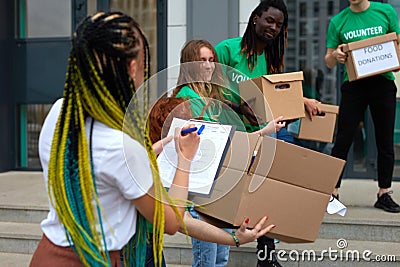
(372, 56)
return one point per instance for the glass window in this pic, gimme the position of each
(303, 48)
(316, 46)
(303, 9)
(330, 8)
(145, 13)
(302, 64)
(316, 28)
(31, 121)
(316, 9)
(44, 18)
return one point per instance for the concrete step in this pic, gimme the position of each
(22, 238)
(362, 223)
(19, 237)
(14, 259)
(23, 260)
(322, 252)
(23, 204)
(17, 213)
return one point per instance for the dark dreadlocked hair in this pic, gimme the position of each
(273, 53)
(98, 85)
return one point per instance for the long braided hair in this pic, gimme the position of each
(98, 85)
(273, 53)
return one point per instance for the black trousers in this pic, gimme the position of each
(379, 94)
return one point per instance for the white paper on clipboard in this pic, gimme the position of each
(214, 142)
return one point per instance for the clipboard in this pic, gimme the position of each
(215, 140)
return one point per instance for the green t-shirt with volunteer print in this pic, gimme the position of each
(229, 54)
(217, 112)
(348, 26)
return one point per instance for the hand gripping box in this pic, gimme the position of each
(290, 184)
(320, 128)
(271, 96)
(372, 56)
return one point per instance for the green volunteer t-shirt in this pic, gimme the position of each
(348, 26)
(229, 53)
(218, 112)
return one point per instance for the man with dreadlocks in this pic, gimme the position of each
(259, 52)
(97, 158)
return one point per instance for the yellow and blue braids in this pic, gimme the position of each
(98, 85)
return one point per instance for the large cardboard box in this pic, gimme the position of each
(290, 184)
(271, 96)
(320, 128)
(372, 56)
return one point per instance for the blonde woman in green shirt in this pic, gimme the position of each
(200, 81)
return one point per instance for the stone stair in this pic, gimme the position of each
(363, 231)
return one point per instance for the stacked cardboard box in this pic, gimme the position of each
(290, 184)
(271, 96)
(320, 127)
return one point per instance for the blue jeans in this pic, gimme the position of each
(150, 256)
(206, 254)
(283, 134)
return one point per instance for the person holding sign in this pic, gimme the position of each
(362, 20)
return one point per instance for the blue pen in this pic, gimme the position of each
(253, 157)
(188, 130)
(201, 129)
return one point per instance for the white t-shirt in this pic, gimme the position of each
(122, 172)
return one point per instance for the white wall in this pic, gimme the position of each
(245, 9)
(176, 26)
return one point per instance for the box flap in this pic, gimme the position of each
(320, 128)
(370, 41)
(298, 166)
(303, 209)
(226, 197)
(299, 223)
(329, 108)
(239, 153)
(284, 77)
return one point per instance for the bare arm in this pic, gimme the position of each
(204, 231)
(333, 56)
(272, 127)
(186, 148)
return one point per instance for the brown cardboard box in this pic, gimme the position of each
(372, 56)
(321, 127)
(271, 96)
(292, 186)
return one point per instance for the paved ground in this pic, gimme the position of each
(28, 188)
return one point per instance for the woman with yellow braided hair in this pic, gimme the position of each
(97, 158)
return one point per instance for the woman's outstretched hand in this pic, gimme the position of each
(272, 127)
(245, 235)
